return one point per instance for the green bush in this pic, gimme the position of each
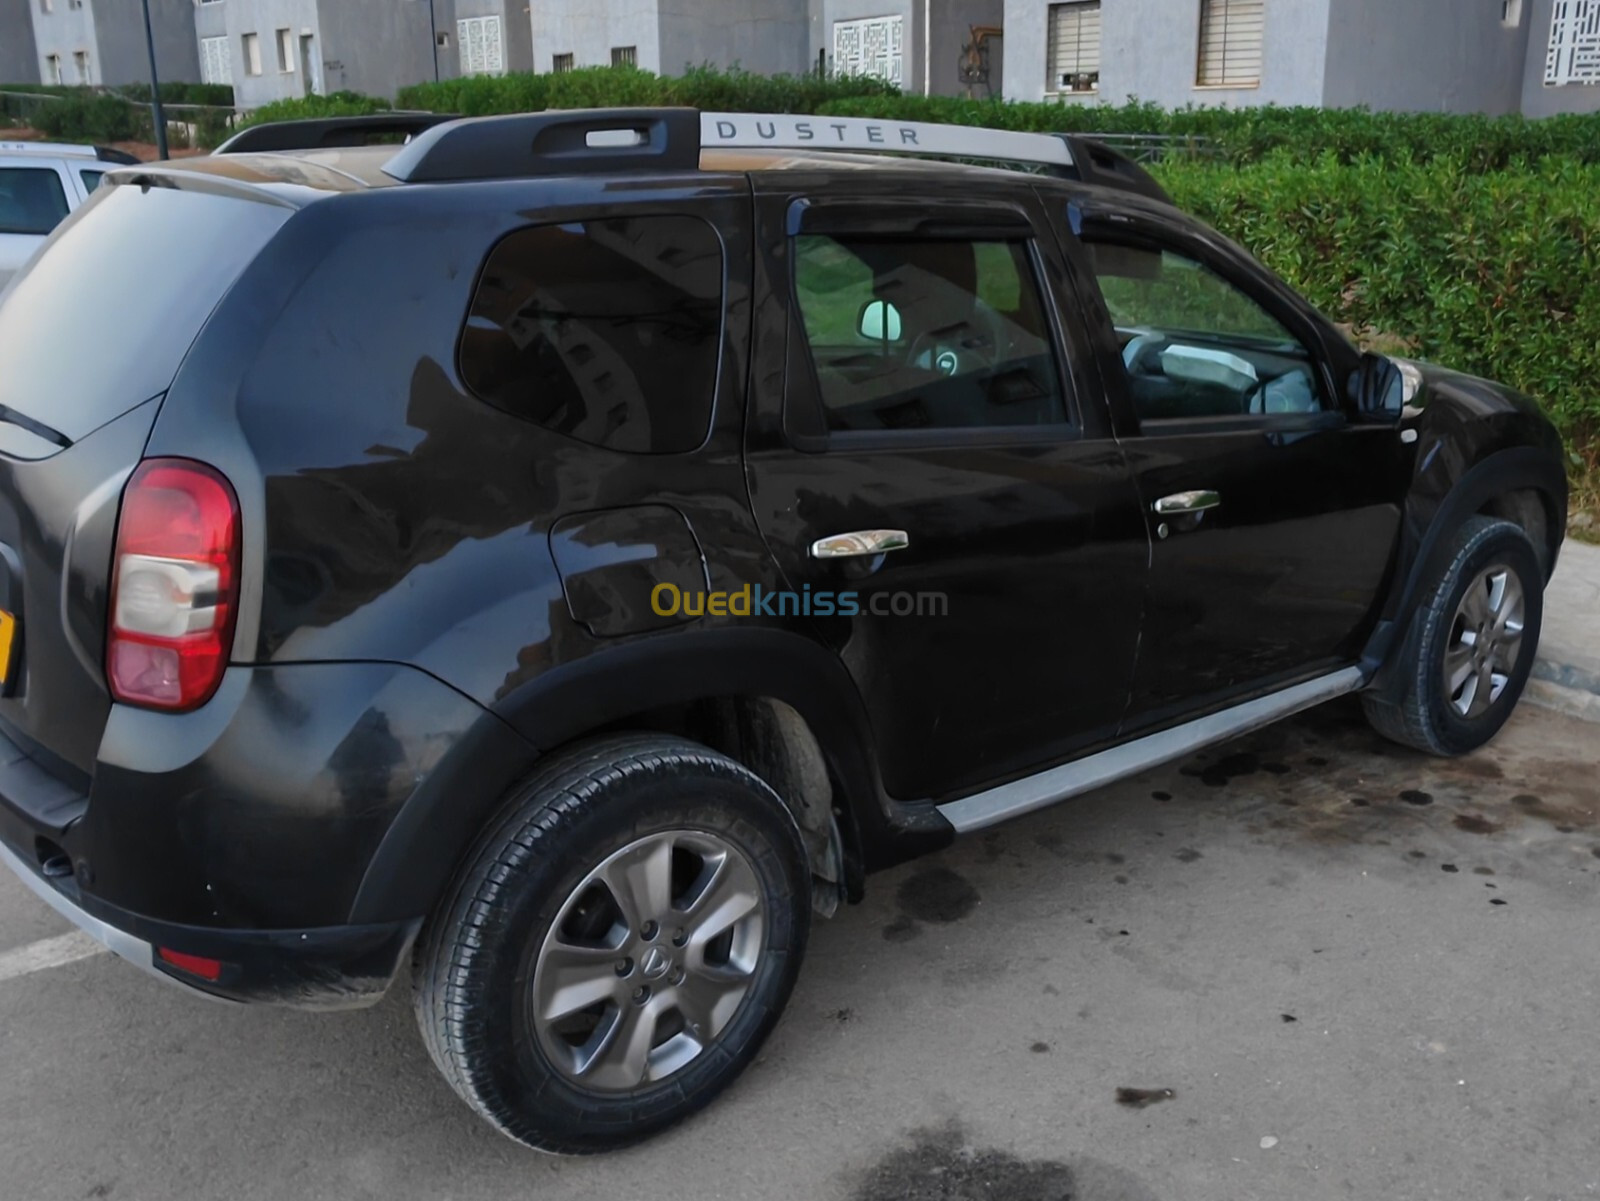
(92, 117)
(1495, 273)
(334, 104)
(216, 95)
(608, 87)
(1245, 135)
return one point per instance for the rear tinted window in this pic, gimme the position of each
(100, 320)
(606, 331)
(32, 200)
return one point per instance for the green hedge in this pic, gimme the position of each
(215, 95)
(335, 104)
(1246, 135)
(1496, 273)
(92, 117)
(605, 87)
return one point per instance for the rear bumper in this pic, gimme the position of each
(341, 967)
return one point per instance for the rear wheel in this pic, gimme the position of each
(618, 945)
(1466, 661)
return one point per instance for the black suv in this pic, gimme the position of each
(553, 558)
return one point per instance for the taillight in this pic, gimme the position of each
(175, 585)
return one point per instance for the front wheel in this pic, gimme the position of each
(618, 945)
(1468, 656)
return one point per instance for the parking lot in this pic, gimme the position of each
(1360, 971)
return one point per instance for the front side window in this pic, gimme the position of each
(1195, 345)
(912, 334)
(607, 331)
(32, 200)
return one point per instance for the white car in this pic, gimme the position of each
(40, 183)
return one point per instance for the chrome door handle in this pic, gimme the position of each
(859, 542)
(1187, 502)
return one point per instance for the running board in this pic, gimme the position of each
(1084, 775)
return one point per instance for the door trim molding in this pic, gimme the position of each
(1045, 788)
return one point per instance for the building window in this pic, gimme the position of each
(252, 54)
(52, 68)
(1511, 13)
(1574, 43)
(216, 64)
(873, 46)
(483, 46)
(1075, 47)
(80, 64)
(624, 56)
(562, 63)
(285, 52)
(47, 6)
(1230, 43)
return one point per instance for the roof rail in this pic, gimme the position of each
(1067, 156)
(328, 133)
(526, 145)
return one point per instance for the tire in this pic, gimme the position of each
(534, 925)
(1425, 710)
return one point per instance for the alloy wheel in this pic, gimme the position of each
(1485, 641)
(648, 960)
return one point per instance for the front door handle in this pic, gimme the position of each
(1178, 503)
(858, 543)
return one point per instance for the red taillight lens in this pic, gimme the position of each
(174, 586)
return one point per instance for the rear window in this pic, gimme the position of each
(608, 331)
(101, 318)
(32, 200)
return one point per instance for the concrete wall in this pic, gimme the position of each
(589, 29)
(1150, 49)
(18, 62)
(65, 32)
(124, 57)
(375, 46)
(769, 37)
(264, 18)
(1537, 99)
(1424, 55)
(952, 24)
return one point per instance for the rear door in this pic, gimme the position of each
(1274, 509)
(934, 474)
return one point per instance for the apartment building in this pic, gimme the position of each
(98, 42)
(1538, 57)
(18, 63)
(764, 36)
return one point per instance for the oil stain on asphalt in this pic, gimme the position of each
(935, 895)
(942, 1165)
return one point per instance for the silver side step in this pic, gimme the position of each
(1084, 775)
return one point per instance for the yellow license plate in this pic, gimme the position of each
(8, 638)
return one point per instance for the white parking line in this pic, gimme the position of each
(47, 953)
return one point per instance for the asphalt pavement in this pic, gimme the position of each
(1359, 972)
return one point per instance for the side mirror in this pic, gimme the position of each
(1378, 388)
(879, 322)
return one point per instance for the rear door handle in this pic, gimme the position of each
(1197, 501)
(858, 543)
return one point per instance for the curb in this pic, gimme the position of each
(1563, 688)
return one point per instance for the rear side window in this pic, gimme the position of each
(102, 317)
(91, 179)
(32, 200)
(607, 331)
(910, 334)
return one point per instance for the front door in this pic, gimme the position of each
(1273, 506)
(933, 470)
